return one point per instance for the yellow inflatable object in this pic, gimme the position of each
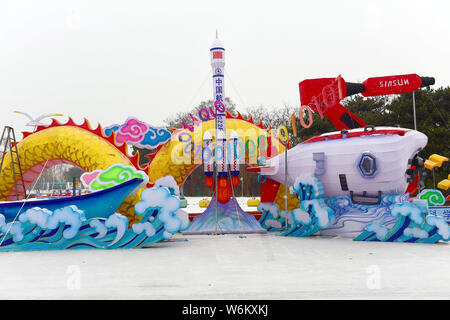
(430, 165)
(253, 202)
(444, 184)
(204, 203)
(438, 159)
(434, 161)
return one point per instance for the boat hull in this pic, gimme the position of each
(99, 204)
(342, 158)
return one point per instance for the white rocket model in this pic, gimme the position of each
(223, 187)
(217, 64)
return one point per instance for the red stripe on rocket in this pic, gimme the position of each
(234, 161)
(208, 154)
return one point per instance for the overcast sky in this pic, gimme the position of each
(107, 60)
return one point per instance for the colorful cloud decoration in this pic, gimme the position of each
(114, 175)
(138, 133)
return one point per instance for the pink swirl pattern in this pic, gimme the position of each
(132, 130)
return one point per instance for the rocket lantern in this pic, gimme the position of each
(217, 64)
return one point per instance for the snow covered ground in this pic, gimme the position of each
(193, 204)
(233, 267)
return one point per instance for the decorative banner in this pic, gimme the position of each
(139, 134)
(114, 175)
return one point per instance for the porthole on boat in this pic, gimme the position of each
(368, 165)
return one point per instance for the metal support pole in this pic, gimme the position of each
(414, 110)
(434, 179)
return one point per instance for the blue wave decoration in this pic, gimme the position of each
(413, 224)
(272, 219)
(314, 214)
(350, 218)
(67, 227)
(395, 219)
